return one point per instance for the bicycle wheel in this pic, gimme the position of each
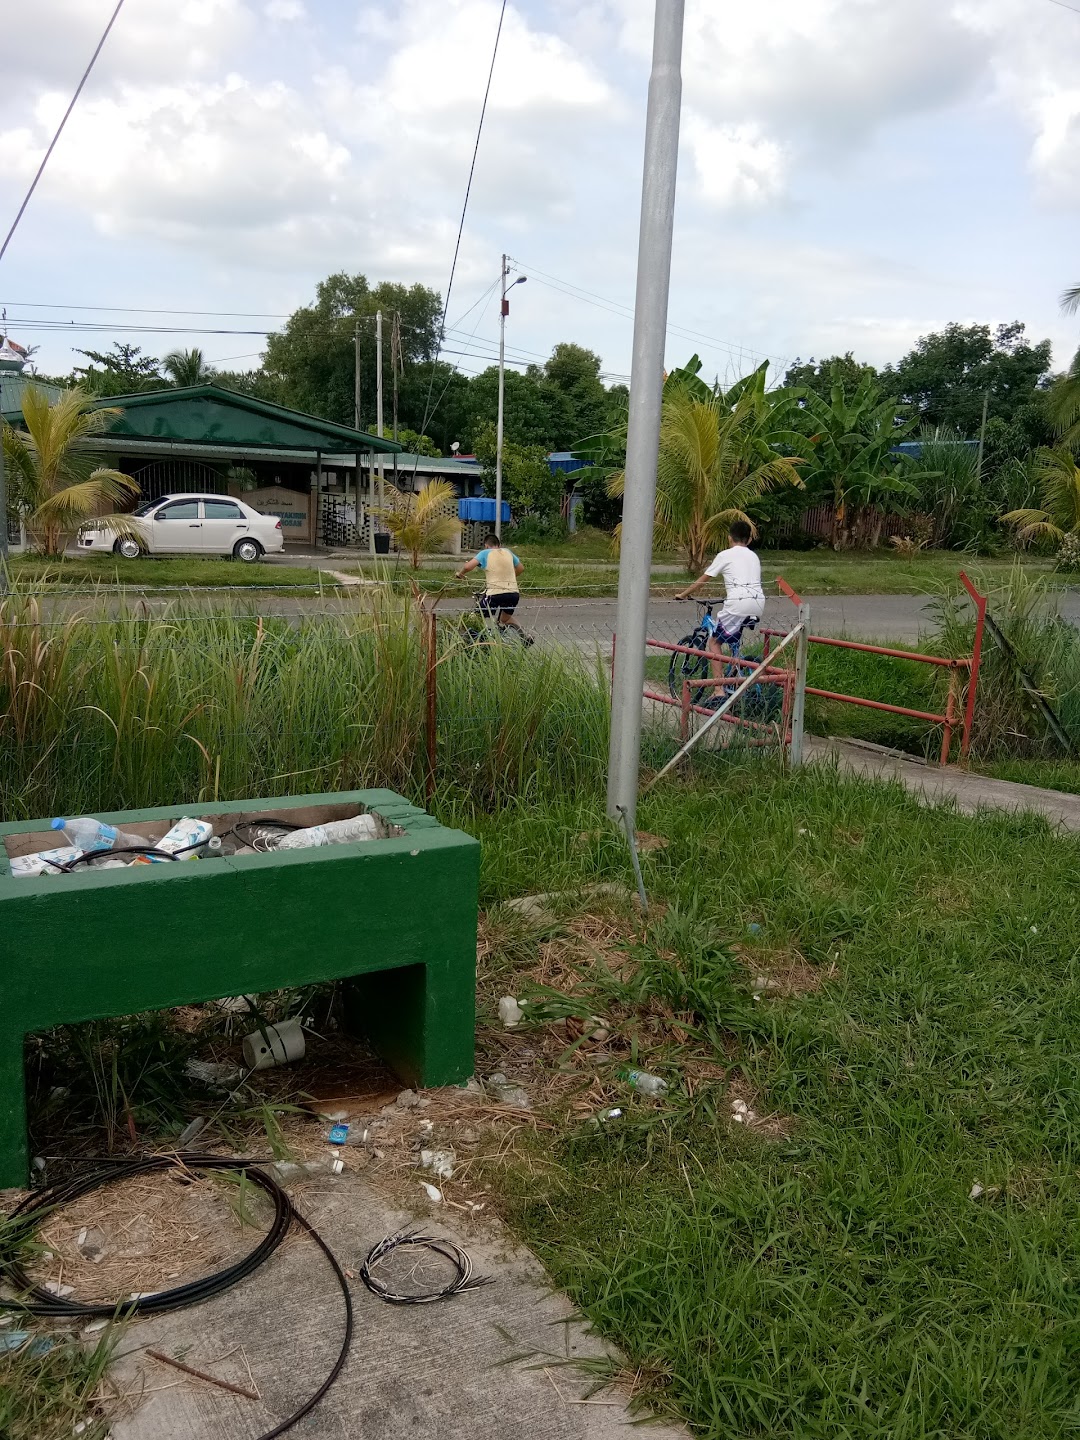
(689, 667)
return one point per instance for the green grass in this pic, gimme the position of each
(43, 1397)
(152, 572)
(883, 572)
(839, 1281)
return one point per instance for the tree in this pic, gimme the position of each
(719, 452)
(842, 370)
(1058, 480)
(535, 413)
(313, 356)
(947, 375)
(852, 462)
(575, 393)
(53, 482)
(417, 444)
(187, 367)
(528, 485)
(420, 523)
(122, 370)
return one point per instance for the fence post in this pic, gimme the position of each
(431, 686)
(798, 702)
(950, 717)
(684, 718)
(979, 601)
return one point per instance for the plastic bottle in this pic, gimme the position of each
(90, 834)
(337, 832)
(643, 1082)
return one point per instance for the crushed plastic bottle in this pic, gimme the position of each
(337, 832)
(643, 1082)
(90, 834)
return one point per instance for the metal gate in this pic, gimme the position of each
(179, 477)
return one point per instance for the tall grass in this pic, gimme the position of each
(117, 708)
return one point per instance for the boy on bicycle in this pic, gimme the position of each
(744, 599)
(501, 593)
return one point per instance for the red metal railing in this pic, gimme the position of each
(947, 720)
(765, 733)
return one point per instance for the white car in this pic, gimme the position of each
(190, 525)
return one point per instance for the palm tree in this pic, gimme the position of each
(1063, 401)
(420, 523)
(54, 482)
(1058, 478)
(187, 367)
(719, 452)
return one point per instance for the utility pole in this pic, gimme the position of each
(982, 432)
(646, 398)
(379, 402)
(397, 366)
(3, 501)
(504, 311)
(356, 375)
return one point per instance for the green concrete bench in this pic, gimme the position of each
(394, 918)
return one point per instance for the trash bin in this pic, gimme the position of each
(382, 543)
(393, 919)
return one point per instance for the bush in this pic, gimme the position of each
(1068, 556)
(539, 530)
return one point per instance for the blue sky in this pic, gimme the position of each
(854, 173)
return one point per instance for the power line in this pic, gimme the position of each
(1061, 4)
(464, 208)
(59, 129)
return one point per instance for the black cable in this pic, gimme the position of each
(60, 129)
(458, 1257)
(42, 1302)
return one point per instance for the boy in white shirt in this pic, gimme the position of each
(744, 597)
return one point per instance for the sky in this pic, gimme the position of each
(852, 174)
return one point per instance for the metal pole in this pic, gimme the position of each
(646, 397)
(798, 703)
(3, 503)
(379, 404)
(982, 431)
(356, 375)
(503, 307)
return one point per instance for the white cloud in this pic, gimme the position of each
(736, 165)
(285, 10)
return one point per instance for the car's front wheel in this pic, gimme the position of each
(247, 550)
(128, 548)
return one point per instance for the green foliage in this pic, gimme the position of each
(417, 444)
(187, 367)
(422, 524)
(313, 356)
(843, 370)
(951, 492)
(1057, 476)
(852, 463)
(945, 377)
(54, 481)
(121, 370)
(720, 451)
(529, 486)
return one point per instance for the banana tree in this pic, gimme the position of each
(854, 460)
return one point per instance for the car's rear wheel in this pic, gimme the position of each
(128, 548)
(247, 550)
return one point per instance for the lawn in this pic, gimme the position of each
(154, 572)
(833, 1273)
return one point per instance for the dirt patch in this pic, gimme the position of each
(784, 974)
(150, 1233)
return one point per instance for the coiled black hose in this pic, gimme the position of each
(39, 1301)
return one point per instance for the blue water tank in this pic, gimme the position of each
(482, 508)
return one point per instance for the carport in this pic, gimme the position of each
(304, 470)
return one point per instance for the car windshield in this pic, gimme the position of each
(144, 507)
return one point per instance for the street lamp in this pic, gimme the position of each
(504, 310)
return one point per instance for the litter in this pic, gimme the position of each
(274, 1045)
(643, 1082)
(45, 862)
(976, 1190)
(411, 1240)
(441, 1161)
(86, 833)
(91, 1244)
(504, 1093)
(186, 836)
(339, 1134)
(432, 1192)
(337, 832)
(510, 1012)
(213, 1072)
(189, 1132)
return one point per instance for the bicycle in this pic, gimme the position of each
(760, 701)
(489, 631)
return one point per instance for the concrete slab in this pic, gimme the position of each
(488, 1365)
(970, 793)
